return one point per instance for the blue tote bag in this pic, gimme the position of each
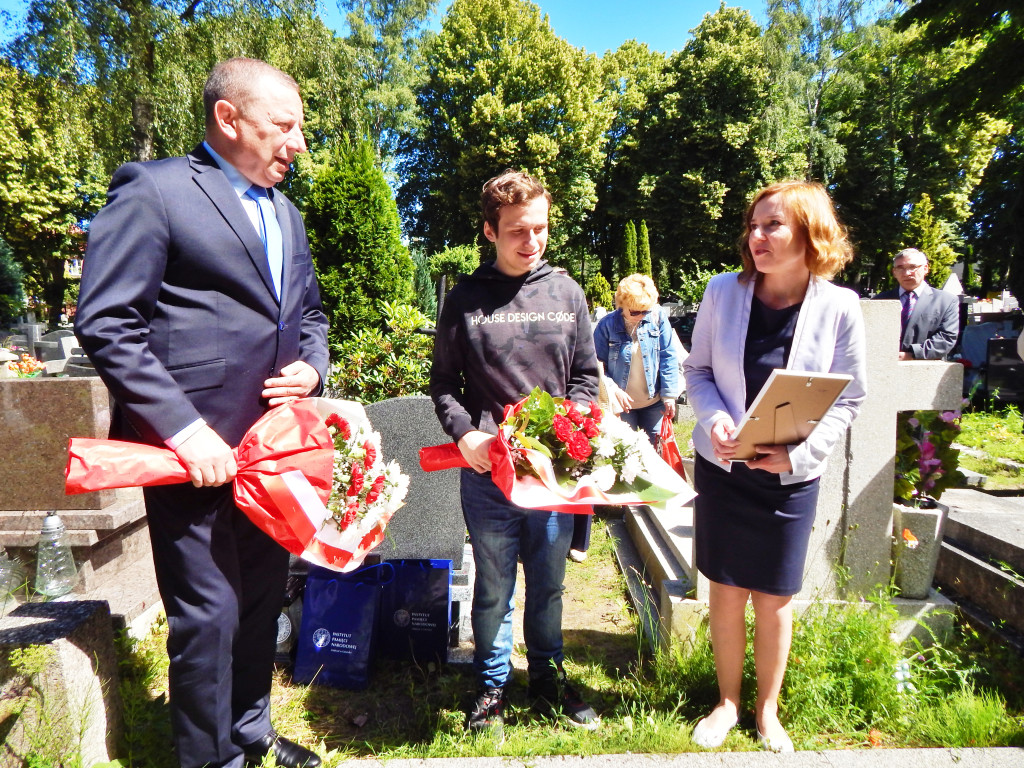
(339, 616)
(416, 611)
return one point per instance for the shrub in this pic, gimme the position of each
(374, 365)
(599, 293)
(356, 239)
(12, 295)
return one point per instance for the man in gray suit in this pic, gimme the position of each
(929, 319)
(199, 308)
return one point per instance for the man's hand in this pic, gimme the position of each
(721, 439)
(670, 408)
(297, 380)
(771, 458)
(210, 461)
(475, 447)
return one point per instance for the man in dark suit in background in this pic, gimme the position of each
(929, 318)
(200, 310)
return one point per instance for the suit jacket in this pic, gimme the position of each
(177, 308)
(829, 337)
(934, 325)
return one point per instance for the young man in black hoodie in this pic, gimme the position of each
(513, 325)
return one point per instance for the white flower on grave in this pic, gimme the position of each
(604, 445)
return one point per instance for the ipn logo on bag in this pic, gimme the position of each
(401, 618)
(321, 638)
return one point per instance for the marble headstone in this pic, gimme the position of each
(430, 525)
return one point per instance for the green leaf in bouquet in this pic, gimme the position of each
(530, 442)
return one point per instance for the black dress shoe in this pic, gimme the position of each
(287, 753)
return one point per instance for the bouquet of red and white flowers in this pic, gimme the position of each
(310, 475)
(552, 453)
(365, 490)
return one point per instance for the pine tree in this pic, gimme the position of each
(930, 234)
(356, 240)
(599, 293)
(627, 263)
(643, 251)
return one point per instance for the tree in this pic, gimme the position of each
(632, 75)
(502, 91)
(643, 251)
(993, 81)
(897, 150)
(387, 37)
(627, 259)
(698, 152)
(931, 235)
(423, 286)
(355, 239)
(50, 179)
(12, 294)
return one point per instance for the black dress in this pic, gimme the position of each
(751, 531)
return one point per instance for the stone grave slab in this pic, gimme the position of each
(76, 690)
(430, 525)
(37, 416)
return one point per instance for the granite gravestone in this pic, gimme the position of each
(430, 525)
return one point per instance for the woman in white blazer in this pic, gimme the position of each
(753, 519)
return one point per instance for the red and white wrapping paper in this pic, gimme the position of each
(285, 468)
(546, 492)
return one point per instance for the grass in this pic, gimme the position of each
(840, 690)
(998, 433)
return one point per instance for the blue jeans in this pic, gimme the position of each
(501, 533)
(648, 419)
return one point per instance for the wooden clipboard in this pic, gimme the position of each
(787, 409)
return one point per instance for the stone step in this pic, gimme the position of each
(660, 561)
(641, 592)
(675, 526)
(990, 527)
(999, 592)
(85, 527)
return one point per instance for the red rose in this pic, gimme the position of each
(595, 412)
(590, 428)
(375, 490)
(563, 427)
(578, 446)
(574, 415)
(371, 454)
(356, 484)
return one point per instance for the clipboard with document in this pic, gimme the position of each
(787, 409)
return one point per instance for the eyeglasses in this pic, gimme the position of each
(909, 268)
(639, 312)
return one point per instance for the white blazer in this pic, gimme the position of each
(829, 337)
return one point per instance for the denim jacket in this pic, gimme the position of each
(661, 362)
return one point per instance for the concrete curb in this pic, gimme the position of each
(1002, 757)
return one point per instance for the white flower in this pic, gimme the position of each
(604, 476)
(631, 466)
(604, 445)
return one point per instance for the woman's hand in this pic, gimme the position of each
(771, 458)
(624, 400)
(669, 405)
(721, 439)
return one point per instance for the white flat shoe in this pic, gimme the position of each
(780, 745)
(709, 738)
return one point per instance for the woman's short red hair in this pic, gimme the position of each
(828, 243)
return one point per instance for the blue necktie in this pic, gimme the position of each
(269, 232)
(909, 299)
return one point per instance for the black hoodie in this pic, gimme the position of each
(500, 336)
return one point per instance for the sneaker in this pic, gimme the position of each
(577, 555)
(488, 714)
(554, 696)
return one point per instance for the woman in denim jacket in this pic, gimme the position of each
(645, 386)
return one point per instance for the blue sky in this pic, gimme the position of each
(597, 25)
